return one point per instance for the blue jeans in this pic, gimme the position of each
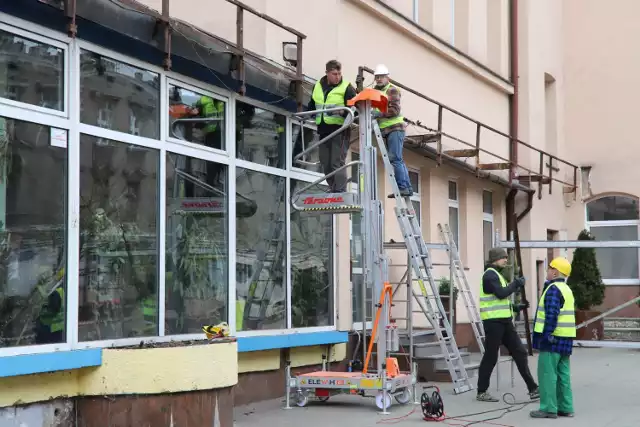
(395, 141)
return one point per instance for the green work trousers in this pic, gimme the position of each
(554, 379)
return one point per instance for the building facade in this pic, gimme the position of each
(141, 225)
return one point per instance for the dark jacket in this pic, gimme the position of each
(491, 285)
(323, 128)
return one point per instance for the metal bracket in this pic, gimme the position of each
(70, 13)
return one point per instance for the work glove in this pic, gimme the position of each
(519, 282)
(521, 306)
(551, 339)
(375, 114)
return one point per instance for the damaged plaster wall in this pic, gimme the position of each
(56, 413)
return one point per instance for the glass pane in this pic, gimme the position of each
(32, 235)
(311, 268)
(612, 208)
(261, 246)
(354, 169)
(118, 240)
(197, 259)
(301, 141)
(119, 96)
(453, 190)
(356, 282)
(487, 202)
(414, 177)
(195, 117)
(31, 72)
(453, 224)
(617, 263)
(260, 135)
(416, 207)
(487, 237)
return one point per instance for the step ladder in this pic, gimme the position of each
(460, 280)
(430, 303)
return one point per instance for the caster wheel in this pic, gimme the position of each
(387, 399)
(323, 398)
(302, 398)
(404, 397)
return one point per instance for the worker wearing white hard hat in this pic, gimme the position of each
(553, 334)
(392, 126)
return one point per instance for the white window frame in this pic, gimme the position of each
(69, 120)
(456, 205)
(488, 217)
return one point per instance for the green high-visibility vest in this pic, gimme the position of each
(385, 122)
(210, 107)
(54, 321)
(491, 307)
(150, 309)
(335, 98)
(566, 326)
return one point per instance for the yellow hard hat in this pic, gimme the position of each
(562, 265)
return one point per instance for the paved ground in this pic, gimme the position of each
(606, 387)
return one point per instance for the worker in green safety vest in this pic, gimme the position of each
(496, 312)
(553, 334)
(149, 307)
(329, 92)
(50, 324)
(207, 107)
(392, 126)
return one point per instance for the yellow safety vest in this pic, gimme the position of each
(150, 309)
(210, 108)
(491, 307)
(566, 326)
(335, 98)
(385, 122)
(54, 321)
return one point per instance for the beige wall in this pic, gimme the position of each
(363, 32)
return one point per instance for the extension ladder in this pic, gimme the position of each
(429, 303)
(463, 285)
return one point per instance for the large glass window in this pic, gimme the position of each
(615, 218)
(196, 117)
(357, 274)
(31, 72)
(32, 234)
(311, 268)
(304, 137)
(261, 245)
(454, 212)
(118, 282)
(260, 135)
(196, 244)
(119, 96)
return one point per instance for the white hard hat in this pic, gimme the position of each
(381, 70)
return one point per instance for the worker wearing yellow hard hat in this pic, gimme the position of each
(553, 335)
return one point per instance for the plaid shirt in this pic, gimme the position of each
(393, 109)
(553, 302)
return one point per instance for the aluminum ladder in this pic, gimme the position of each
(429, 303)
(463, 285)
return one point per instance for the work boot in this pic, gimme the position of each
(534, 394)
(404, 193)
(565, 414)
(542, 414)
(486, 397)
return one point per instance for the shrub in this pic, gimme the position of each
(585, 280)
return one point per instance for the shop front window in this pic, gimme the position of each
(196, 244)
(31, 72)
(311, 268)
(261, 245)
(112, 92)
(260, 135)
(196, 117)
(32, 234)
(118, 284)
(304, 137)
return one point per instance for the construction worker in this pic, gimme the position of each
(50, 324)
(329, 92)
(207, 107)
(391, 125)
(553, 334)
(496, 312)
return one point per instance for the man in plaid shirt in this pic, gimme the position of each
(554, 332)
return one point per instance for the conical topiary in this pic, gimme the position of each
(585, 280)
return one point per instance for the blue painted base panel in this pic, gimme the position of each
(302, 339)
(11, 366)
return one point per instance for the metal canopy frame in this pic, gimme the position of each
(575, 244)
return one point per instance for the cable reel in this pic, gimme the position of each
(432, 405)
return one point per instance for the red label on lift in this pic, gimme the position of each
(322, 200)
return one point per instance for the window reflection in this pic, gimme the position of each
(197, 118)
(196, 243)
(119, 96)
(303, 138)
(260, 135)
(311, 268)
(261, 245)
(31, 72)
(32, 235)
(118, 245)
